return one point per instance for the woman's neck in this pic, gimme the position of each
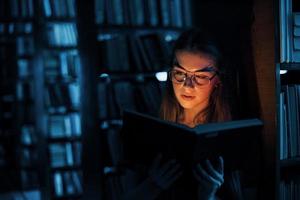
(188, 118)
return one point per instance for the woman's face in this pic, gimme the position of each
(194, 88)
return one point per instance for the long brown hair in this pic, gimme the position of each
(195, 41)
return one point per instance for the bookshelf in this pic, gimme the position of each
(18, 129)
(288, 87)
(58, 79)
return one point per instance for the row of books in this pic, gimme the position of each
(289, 190)
(289, 33)
(115, 97)
(61, 8)
(17, 8)
(67, 183)
(61, 34)
(16, 28)
(140, 53)
(61, 97)
(61, 64)
(24, 45)
(65, 154)
(64, 126)
(176, 13)
(290, 121)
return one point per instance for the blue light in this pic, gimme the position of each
(161, 76)
(283, 71)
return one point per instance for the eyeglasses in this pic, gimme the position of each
(200, 78)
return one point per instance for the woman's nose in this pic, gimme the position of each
(188, 82)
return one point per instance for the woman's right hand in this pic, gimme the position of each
(164, 175)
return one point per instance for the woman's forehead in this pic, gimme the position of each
(194, 61)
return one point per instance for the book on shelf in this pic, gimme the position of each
(62, 97)
(114, 50)
(138, 13)
(151, 12)
(61, 34)
(65, 154)
(63, 64)
(288, 25)
(67, 183)
(28, 135)
(62, 8)
(24, 68)
(120, 95)
(23, 9)
(58, 184)
(289, 189)
(290, 120)
(144, 137)
(61, 126)
(25, 45)
(16, 28)
(141, 53)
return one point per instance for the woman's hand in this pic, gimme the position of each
(164, 175)
(210, 180)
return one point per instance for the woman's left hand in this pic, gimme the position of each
(210, 180)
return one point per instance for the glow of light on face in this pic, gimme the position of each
(283, 71)
(161, 76)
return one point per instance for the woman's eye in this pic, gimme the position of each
(179, 73)
(201, 77)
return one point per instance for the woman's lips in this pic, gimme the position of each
(187, 97)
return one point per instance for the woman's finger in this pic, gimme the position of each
(220, 165)
(213, 172)
(203, 174)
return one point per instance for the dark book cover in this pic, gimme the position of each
(145, 137)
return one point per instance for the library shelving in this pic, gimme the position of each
(288, 93)
(58, 80)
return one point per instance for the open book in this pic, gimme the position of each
(145, 137)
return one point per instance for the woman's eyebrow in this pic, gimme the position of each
(205, 69)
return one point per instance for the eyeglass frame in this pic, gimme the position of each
(205, 69)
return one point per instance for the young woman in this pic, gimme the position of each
(194, 95)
